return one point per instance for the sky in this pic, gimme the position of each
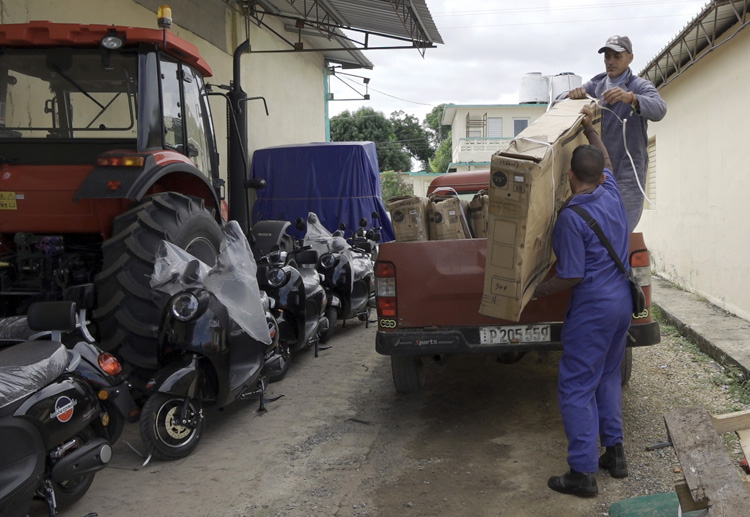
(489, 45)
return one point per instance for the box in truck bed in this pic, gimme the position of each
(528, 185)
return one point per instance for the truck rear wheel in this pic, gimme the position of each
(408, 373)
(128, 310)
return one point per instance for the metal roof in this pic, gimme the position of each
(402, 23)
(699, 37)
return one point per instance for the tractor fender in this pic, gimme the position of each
(120, 182)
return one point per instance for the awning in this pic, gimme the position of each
(699, 37)
(341, 29)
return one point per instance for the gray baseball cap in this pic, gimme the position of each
(618, 44)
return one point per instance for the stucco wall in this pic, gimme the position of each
(698, 233)
(291, 83)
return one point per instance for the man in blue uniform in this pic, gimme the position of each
(597, 320)
(630, 101)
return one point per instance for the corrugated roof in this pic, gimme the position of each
(405, 24)
(699, 37)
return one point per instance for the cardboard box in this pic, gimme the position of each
(479, 208)
(409, 218)
(528, 185)
(447, 215)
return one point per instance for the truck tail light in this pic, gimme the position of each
(640, 263)
(385, 289)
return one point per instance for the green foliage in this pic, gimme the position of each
(443, 155)
(398, 139)
(392, 185)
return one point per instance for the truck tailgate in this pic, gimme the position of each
(440, 283)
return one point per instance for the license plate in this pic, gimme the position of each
(514, 334)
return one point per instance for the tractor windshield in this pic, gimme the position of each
(67, 93)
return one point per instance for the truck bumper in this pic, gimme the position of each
(465, 340)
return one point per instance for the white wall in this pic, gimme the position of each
(699, 232)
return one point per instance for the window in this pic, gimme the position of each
(194, 120)
(519, 124)
(475, 125)
(495, 127)
(172, 105)
(650, 186)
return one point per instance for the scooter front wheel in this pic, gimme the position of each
(164, 432)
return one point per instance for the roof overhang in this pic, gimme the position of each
(699, 37)
(341, 29)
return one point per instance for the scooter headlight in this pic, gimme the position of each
(185, 306)
(328, 260)
(276, 277)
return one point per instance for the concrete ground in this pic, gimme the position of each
(719, 334)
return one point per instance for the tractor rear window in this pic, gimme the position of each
(67, 93)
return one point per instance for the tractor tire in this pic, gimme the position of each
(129, 311)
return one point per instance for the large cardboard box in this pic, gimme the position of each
(448, 219)
(479, 214)
(409, 216)
(528, 185)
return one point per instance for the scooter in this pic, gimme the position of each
(348, 271)
(216, 344)
(286, 271)
(101, 370)
(51, 422)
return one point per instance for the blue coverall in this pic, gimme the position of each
(595, 326)
(650, 107)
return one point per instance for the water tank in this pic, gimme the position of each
(564, 82)
(534, 89)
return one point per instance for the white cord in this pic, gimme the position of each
(625, 143)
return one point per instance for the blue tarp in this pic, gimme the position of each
(337, 180)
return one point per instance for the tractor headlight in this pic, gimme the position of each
(185, 306)
(276, 277)
(328, 260)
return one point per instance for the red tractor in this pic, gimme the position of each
(107, 147)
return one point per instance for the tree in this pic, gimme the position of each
(413, 137)
(392, 185)
(366, 124)
(443, 156)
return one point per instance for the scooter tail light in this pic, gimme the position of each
(109, 364)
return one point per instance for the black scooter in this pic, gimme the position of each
(286, 271)
(100, 369)
(348, 271)
(52, 426)
(215, 344)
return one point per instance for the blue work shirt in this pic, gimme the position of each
(579, 251)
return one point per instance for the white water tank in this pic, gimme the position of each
(534, 89)
(564, 82)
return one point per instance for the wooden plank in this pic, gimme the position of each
(731, 422)
(687, 504)
(707, 467)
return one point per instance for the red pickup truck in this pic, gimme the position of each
(429, 292)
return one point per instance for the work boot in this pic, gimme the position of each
(614, 461)
(581, 484)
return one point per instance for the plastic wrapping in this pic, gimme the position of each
(28, 367)
(232, 280)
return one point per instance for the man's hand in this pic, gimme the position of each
(577, 93)
(588, 117)
(617, 94)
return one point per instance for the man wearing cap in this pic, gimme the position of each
(628, 101)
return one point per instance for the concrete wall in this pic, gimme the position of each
(698, 232)
(293, 84)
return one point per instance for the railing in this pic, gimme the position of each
(478, 149)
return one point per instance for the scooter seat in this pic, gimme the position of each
(28, 367)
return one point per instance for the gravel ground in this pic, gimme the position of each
(671, 375)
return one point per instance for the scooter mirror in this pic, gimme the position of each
(192, 274)
(299, 224)
(342, 226)
(363, 222)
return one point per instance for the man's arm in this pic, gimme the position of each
(593, 136)
(648, 101)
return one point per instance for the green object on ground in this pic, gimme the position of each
(654, 505)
